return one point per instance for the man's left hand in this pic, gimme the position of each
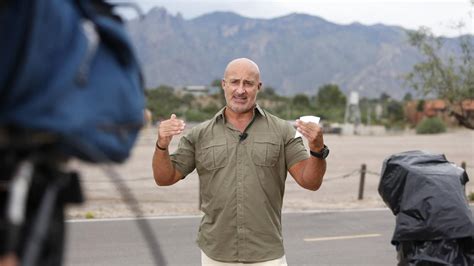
(313, 133)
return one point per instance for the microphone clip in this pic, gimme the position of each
(243, 136)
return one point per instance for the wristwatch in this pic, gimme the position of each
(322, 154)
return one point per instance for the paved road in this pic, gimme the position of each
(328, 238)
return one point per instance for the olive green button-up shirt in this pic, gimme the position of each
(242, 182)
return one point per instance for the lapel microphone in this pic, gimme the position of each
(243, 136)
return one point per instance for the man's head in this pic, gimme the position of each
(241, 84)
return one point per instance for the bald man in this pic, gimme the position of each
(242, 156)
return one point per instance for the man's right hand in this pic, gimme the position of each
(169, 128)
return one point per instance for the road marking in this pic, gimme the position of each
(340, 237)
(75, 220)
(133, 218)
(336, 210)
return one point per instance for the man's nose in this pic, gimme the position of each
(240, 89)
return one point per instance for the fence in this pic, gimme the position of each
(361, 172)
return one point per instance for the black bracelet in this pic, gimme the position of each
(158, 146)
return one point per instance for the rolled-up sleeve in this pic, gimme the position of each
(295, 150)
(183, 158)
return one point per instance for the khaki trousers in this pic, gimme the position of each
(206, 261)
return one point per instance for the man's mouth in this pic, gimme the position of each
(240, 99)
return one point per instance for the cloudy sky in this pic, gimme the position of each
(439, 15)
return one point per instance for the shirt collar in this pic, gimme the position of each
(220, 114)
(260, 110)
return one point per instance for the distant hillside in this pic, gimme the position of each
(296, 53)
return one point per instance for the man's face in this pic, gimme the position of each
(241, 84)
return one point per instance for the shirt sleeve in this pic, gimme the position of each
(295, 150)
(183, 158)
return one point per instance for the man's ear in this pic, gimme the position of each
(222, 83)
(259, 85)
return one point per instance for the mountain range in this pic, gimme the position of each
(296, 53)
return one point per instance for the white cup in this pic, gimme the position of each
(306, 119)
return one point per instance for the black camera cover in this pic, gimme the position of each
(434, 223)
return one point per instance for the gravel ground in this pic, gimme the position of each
(339, 189)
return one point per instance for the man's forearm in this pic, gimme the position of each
(163, 169)
(313, 173)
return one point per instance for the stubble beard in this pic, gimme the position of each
(240, 109)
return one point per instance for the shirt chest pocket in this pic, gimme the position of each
(213, 154)
(265, 150)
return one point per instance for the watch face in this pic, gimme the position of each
(325, 152)
(322, 154)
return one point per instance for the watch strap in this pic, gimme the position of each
(322, 154)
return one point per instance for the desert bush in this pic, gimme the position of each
(90, 215)
(432, 125)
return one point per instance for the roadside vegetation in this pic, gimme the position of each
(448, 76)
(431, 125)
(328, 102)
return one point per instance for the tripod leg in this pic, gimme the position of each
(42, 224)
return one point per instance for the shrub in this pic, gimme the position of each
(197, 116)
(471, 196)
(432, 125)
(90, 215)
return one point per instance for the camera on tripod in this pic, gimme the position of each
(34, 189)
(70, 87)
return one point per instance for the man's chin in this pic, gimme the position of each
(239, 109)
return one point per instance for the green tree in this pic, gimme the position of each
(210, 109)
(216, 83)
(384, 97)
(162, 102)
(221, 96)
(448, 76)
(300, 105)
(420, 107)
(268, 93)
(395, 112)
(301, 100)
(331, 103)
(330, 95)
(367, 110)
(187, 99)
(408, 97)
